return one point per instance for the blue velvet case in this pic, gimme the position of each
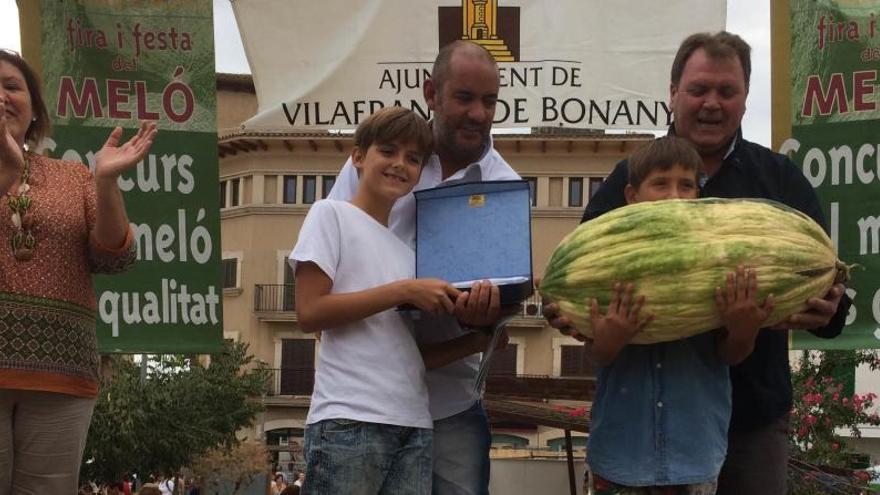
(474, 231)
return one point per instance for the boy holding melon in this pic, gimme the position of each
(660, 417)
(369, 429)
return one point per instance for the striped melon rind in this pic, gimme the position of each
(677, 251)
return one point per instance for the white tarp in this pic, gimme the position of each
(577, 63)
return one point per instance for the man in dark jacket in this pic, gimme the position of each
(708, 90)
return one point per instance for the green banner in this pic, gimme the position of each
(835, 129)
(108, 63)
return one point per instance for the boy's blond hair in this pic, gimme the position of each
(395, 124)
(662, 154)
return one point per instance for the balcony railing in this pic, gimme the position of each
(292, 381)
(274, 297)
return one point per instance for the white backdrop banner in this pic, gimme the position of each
(576, 63)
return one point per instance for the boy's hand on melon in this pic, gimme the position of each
(621, 322)
(554, 318)
(551, 312)
(741, 314)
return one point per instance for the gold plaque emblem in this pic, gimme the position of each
(477, 200)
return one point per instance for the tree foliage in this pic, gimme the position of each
(180, 409)
(238, 464)
(822, 407)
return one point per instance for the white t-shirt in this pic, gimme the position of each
(167, 486)
(450, 387)
(370, 370)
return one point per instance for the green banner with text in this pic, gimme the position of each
(108, 63)
(835, 136)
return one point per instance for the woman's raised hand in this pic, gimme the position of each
(11, 153)
(114, 159)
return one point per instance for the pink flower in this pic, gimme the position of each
(810, 420)
(858, 403)
(580, 411)
(845, 401)
(802, 432)
(835, 446)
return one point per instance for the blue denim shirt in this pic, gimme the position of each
(661, 414)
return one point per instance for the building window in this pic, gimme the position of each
(297, 366)
(222, 194)
(577, 361)
(289, 189)
(327, 182)
(575, 191)
(288, 300)
(533, 189)
(595, 184)
(234, 186)
(230, 273)
(310, 183)
(504, 361)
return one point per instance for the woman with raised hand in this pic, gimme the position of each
(59, 223)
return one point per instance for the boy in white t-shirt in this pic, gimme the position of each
(369, 427)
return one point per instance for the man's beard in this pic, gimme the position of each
(461, 153)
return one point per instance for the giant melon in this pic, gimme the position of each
(677, 251)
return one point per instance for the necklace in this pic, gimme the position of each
(22, 220)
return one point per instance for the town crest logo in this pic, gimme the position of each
(485, 23)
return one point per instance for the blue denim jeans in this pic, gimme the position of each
(461, 453)
(347, 457)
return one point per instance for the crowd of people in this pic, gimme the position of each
(279, 484)
(153, 485)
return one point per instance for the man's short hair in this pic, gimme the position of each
(719, 46)
(440, 71)
(395, 124)
(662, 154)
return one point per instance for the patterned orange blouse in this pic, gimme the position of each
(47, 304)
